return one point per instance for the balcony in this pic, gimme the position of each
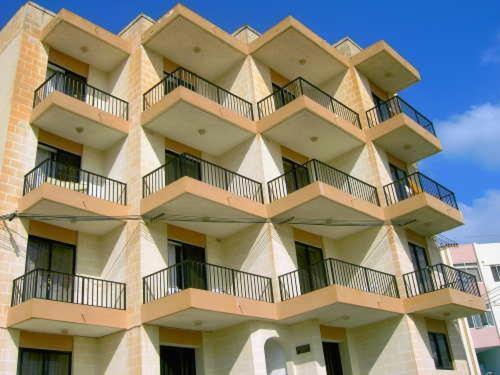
(336, 291)
(306, 119)
(191, 110)
(316, 193)
(422, 205)
(55, 190)
(293, 50)
(400, 129)
(85, 41)
(54, 302)
(386, 68)
(191, 41)
(441, 291)
(79, 112)
(201, 196)
(211, 296)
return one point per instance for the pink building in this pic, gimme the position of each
(483, 260)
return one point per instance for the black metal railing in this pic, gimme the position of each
(313, 171)
(205, 276)
(439, 276)
(69, 177)
(64, 287)
(299, 87)
(202, 170)
(80, 90)
(336, 272)
(185, 78)
(394, 106)
(417, 183)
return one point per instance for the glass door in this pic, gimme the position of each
(65, 167)
(44, 362)
(383, 110)
(177, 361)
(70, 83)
(191, 272)
(312, 273)
(333, 362)
(424, 274)
(400, 179)
(177, 167)
(296, 175)
(55, 262)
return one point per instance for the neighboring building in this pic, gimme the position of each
(181, 200)
(483, 260)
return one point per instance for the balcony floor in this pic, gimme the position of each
(46, 316)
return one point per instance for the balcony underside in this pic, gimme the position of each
(183, 113)
(62, 115)
(383, 66)
(293, 50)
(49, 200)
(204, 310)
(445, 304)
(194, 43)
(190, 198)
(424, 214)
(309, 128)
(339, 306)
(404, 138)
(319, 201)
(67, 318)
(85, 41)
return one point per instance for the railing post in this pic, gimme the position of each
(445, 277)
(367, 280)
(461, 280)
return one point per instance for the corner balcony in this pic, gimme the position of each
(306, 119)
(189, 109)
(183, 36)
(198, 195)
(400, 129)
(55, 302)
(196, 295)
(316, 193)
(54, 190)
(338, 293)
(441, 291)
(82, 113)
(422, 205)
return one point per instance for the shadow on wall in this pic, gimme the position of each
(275, 358)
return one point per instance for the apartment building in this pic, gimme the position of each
(483, 260)
(181, 200)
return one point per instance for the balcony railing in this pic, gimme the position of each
(205, 276)
(201, 170)
(299, 87)
(80, 90)
(184, 78)
(394, 106)
(75, 179)
(64, 287)
(439, 276)
(417, 183)
(313, 171)
(336, 272)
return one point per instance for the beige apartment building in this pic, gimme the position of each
(180, 200)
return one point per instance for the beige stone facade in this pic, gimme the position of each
(185, 135)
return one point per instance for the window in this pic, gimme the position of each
(44, 362)
(495, 270)
(471, 268)
(440, 351)
(484, 319)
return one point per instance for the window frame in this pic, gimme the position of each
(495, 272)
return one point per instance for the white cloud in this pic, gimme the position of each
(481, 220)
(492, 54)
(473, 135)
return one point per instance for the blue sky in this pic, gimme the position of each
(454, 44)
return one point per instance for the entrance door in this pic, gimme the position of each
(191, 272)
(421, 265)
(43, 362)
(312, 273)
(55, 262)
(177, 361)
(333, 363)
